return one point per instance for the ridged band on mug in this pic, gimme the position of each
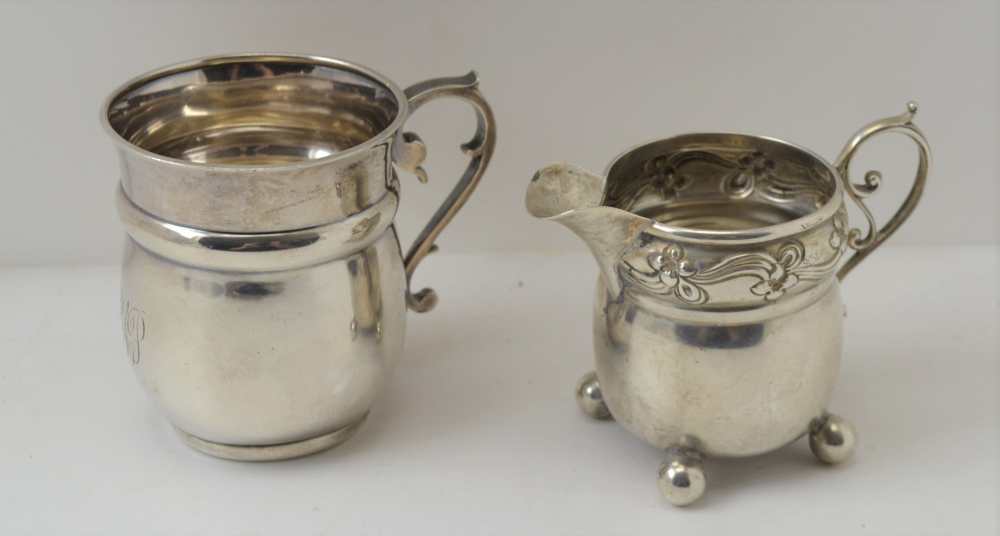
(257, 252)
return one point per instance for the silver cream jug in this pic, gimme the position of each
(718, 318)
(264, 291)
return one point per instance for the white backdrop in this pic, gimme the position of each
(567, 83)
(477, 431)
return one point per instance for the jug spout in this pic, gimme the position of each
(572, 196)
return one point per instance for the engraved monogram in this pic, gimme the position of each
(133, 330)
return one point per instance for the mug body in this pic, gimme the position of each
(263, 288)
(248, 358)
(726, 336)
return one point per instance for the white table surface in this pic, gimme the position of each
(478, 432)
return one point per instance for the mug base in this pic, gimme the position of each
(267, 453)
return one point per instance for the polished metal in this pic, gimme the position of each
(902, 124)
(718, 318)
(266, 453)
(590, 399)
(832, 439)
(479, 149)
(682, 476)
(264, 289)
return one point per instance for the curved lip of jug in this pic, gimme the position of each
(764, 233)
(151, 76)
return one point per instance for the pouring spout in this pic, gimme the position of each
(559, 188)
(572, 196)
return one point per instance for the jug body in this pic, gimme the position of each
(264, 289)
(717, 318)
(727, 380)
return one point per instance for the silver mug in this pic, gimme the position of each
(718, 318)
(264, 291)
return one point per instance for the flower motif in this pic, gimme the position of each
(780, 277)
(674, 269)
(754, 168)
(664, 177)
(672, 262)
(776, 284)
(669, 272)
(757, 165)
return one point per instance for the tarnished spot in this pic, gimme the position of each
(251, 243)
(251, 290)
(364, 227)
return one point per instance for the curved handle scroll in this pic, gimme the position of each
(865, 244)
(409, 154)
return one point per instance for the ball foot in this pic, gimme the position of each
(832, 439)
(590, 399)
(682, 476)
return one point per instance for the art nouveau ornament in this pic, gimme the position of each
(718, 320)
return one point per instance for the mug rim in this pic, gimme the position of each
(763, 233)
(384, 135)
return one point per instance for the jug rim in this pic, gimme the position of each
(150, 77)
(763, 233)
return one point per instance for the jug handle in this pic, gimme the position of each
(409, 154)
(864, 245)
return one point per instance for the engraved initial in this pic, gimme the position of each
(133, 330)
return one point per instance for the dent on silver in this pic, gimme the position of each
(717, 316)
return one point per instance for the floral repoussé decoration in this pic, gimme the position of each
(664, 178)
(669, 271)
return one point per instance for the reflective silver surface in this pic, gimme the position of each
(682, 476)
(718, 319)
(590, 399)
(832, 439)
(264, 289)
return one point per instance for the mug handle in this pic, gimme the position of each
(409, 154)
(864, 245)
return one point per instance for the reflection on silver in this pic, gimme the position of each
(718, 320)
(264, 290)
